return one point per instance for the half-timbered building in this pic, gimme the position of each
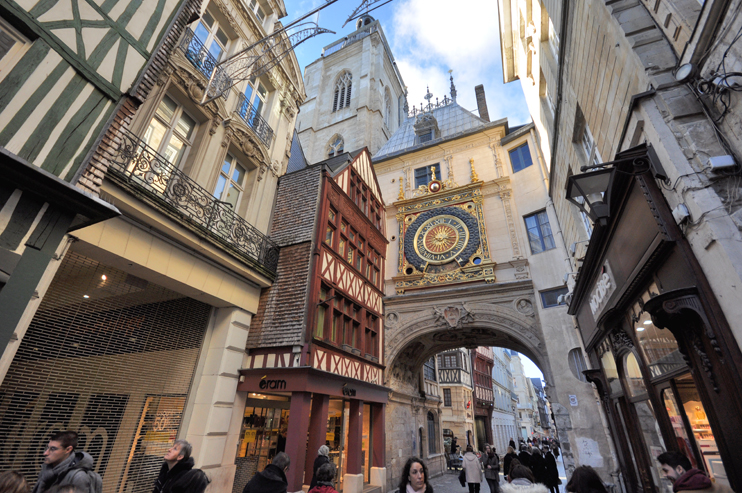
(484, 400)
(315, 360)
(140, 334)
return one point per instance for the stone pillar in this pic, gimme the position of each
(353, 481)
(213, 425)
(296, 439)
(317, 432)
(378, 445)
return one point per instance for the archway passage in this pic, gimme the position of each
(419, 326)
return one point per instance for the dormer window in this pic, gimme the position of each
(425, 137)
(426, 128)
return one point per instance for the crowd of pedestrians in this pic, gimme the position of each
(533, 469)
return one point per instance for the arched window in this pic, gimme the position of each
(342, 91)
(387, 108)
(336, 145)
(577, 364)
(432, 434)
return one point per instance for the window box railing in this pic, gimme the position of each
(257, 123)
(149, 173)
(199, 56)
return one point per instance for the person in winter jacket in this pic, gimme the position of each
(552, 471)
(272, 479)
(491, 463)
(415, 477)
(522, 481)
(684, 477)
(323, 457)
(64, 466)
(538, 465)
(324, 476)
(177, 474)
(585, 480)
(524, 456)
(507, 460)
(473, 470)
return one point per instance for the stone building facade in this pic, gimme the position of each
(456, 394)
(504, 426)
(445, 167)
(355, 95)
(640, 91)
(150, 311)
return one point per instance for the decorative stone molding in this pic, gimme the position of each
(621, 340)
(524, 306)
(505, 196)
(454, 316)
(496, 158)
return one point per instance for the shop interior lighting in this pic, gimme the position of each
(85, 296)
(104, 277)
(647, 322)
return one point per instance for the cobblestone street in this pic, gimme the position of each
(449, 482)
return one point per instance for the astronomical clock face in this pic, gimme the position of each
(441, 236)
(441, 239)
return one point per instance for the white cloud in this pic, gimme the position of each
(429, 37)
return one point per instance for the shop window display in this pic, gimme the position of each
(634, 380)
(653, 441)
(658, 346)
(678, 427)
(263, 430)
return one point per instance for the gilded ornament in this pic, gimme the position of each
(474, 176)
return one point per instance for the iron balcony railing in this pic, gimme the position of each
(153, 175)
(257, 123)
(199, 56)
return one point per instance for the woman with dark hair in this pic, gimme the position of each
(586, 480)
(491, 465)
(13, 482)
(415, 477)
(522, 481)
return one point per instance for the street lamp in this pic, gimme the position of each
(590, 192)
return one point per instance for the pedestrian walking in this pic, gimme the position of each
(522, 481)
(324, 477)
(272, 479)
(552, 472)
(585, 480)
(492, 469)
(177, 474)
(454, 445)
(13, 482)
(684, 477)
(323, 457)
(473, 470)
(63, 466)
(512, 443)
(524, 456)
(415, 477)
(538, 465)
(507, 460)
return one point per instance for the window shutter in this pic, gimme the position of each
(347, 97)
(335, 103)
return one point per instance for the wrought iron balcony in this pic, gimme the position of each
(152, 175)
(199, 56)
(257, 123)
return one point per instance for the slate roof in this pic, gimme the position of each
(297, 160)
(296, 206)
(453, 121)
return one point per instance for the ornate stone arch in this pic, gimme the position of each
(342, 90)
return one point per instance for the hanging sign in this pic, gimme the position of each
(602, 291)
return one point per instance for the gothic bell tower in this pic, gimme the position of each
(355, 95)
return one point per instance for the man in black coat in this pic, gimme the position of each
(272, 479)
(538, 465)
(177, 474)
(552, 472)
(524, 457)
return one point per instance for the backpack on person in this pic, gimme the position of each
(96, 482)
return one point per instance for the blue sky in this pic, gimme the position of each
(428, 38)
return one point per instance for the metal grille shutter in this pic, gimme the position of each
(110, 356)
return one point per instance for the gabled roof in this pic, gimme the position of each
(453, 121)
(360, 160)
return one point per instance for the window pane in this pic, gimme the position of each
(319, 328)
(350, 255)
(262, 91)
(658, 346)
(154, 134)
(239, 174)
(328, 235)
(202, 32)
(227, 166)
(220, 184)
(260, 14)
(551, 297)
(185, 125)
(166, 109)
(208, 19)
(233, 194)
(341, 247)
(222, 37)
(248, 92)
(678, 427)
(174, 150)
(634, 380)
(520, 157)
(216, 50)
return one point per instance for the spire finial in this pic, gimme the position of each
(453, 87)
(474, 177)
(401, 189)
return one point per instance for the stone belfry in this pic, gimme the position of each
(355, 95)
